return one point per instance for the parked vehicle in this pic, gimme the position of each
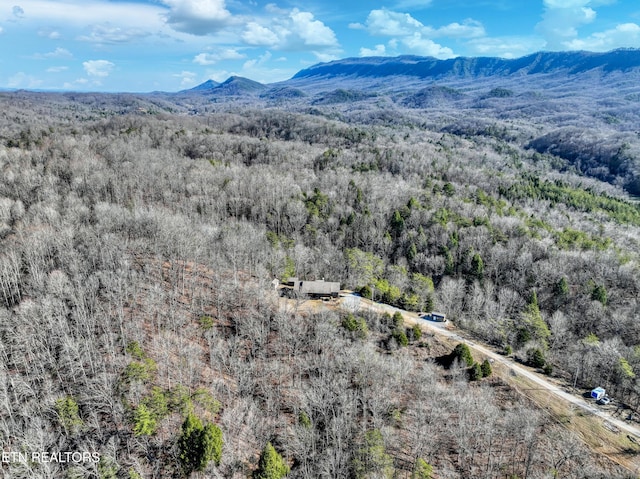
(437, 317)
(598, 393)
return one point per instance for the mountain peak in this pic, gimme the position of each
(206, 86)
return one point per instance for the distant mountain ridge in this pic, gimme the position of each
(466, 67)
(384, 73)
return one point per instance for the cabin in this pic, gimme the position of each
(314, 289)
(598, 393)
(439, 317)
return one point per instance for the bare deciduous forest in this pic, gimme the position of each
(138, 243)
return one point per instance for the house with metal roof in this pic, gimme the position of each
(314, 289)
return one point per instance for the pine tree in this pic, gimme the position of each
(533, 319)
(599, 293)
(475, 372)
(463, 354)
(486, 368)
(477, 266)
(144, 422)
(211, 445)
(397, 223)
(270, 465)
(199, 444)
(562, 288)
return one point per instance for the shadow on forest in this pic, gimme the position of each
(445, 361)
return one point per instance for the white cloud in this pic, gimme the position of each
(325, 57)
(378, 51)
(467, 29)
(505, 47)
(197, 17)
(575, 3)
(17, 11)
(261, 69)
(49, 33)
(23, 80)
(312, 32)
(98, 68)
(387, 23)
(415, 36)
(394, 24)
(261, 60)
(427, 47)
(57, 69)
(109, 34)
(220, 75)
(81, 13)
(61, 53)
(275, 9)
(256, 34)
(187, 78)
(624, 35)
(296, 31)
(562, 19)
(74, 84)
(218, 55)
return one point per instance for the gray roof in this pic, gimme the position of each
(316, 287)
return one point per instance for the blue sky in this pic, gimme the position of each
(169, 45)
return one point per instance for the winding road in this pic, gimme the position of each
(355, 303)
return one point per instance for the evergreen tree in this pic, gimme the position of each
(412, 252)
(536, 358)
(416, 332)
(477, 266)
(463, 354)
(475, 372)
(68, 413)
(372, 459)
(599, 293)
(534, 323)
(400, 336)
(449, 262)
(486, 368)
(144, 423)
(397, 223)
(398, 319)
(562, 288)
(271, 465)
(199, 444)
(422, 470)
(211, 445)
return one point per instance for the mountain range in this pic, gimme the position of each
(400, 72)
(580, 107)
(558, 88)
(583, 107)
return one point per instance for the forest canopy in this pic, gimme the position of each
(138, 319)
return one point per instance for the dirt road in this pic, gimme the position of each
(356, 303)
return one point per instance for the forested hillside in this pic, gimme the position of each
(138, 320)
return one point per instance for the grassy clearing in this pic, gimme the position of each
(592, 430)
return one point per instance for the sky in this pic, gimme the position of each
(171, 45)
